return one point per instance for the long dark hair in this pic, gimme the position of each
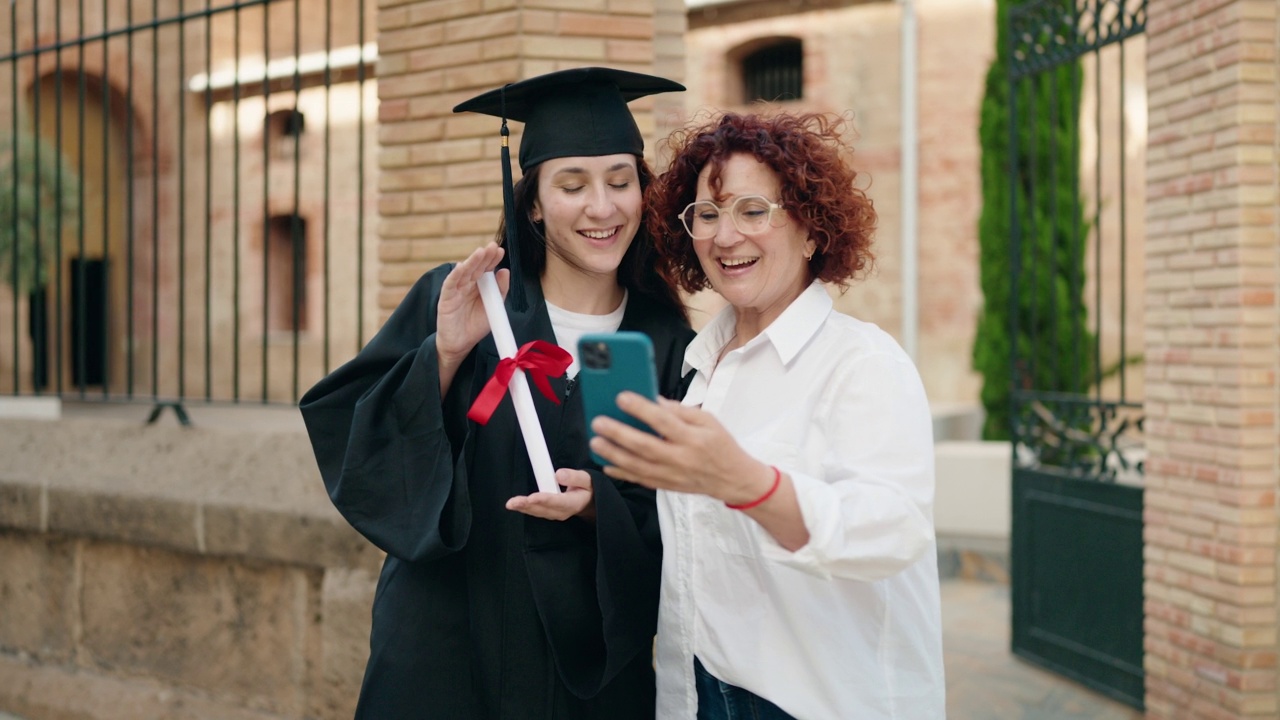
(638, 270)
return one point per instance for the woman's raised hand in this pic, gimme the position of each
(460, 318)
(695, 453)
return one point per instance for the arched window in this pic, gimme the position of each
(284, 129)
(774, 72)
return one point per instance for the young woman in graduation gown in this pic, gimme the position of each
(496, 601)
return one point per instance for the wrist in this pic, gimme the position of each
(764, 484)
(588, 513)
(447, 358)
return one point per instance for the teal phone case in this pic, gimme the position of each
(611, 363)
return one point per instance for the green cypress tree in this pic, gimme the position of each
(1054, 346)
(39, 194)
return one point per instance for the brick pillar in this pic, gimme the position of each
(439, 192)
(670, 25)
(1211, 354)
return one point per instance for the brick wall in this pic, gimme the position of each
(213, 188)
(440, 193)
(1211, 352)
(852, 57)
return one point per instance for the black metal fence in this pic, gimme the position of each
(183, 197)
(1077, 125)
(1077, 139)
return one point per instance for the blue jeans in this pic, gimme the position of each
(721, 701)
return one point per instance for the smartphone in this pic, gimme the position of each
(611, 363)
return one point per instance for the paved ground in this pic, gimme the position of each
(986, 682)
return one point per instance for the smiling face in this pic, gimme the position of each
(760, 275)
(591, 210)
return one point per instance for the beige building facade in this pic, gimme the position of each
(204, 179)
(852, 66)
(204, 145)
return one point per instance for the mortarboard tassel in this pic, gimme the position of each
(515, 294)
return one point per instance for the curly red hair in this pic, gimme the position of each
(807, 153)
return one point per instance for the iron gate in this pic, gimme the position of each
(183, 193)
(1077, 137)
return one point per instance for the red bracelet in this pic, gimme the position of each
(777, 480)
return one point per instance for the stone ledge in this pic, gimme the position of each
(20, 506)
(205, 491)
(136, 519)
(41, 692)
(972, 497)
(30, 408)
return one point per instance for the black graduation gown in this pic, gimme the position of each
(481, 612)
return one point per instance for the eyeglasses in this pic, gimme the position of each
(751, 214)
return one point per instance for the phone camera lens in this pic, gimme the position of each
(596, 356)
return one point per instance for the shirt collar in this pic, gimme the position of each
(788, 333)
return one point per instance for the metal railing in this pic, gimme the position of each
(185, 197)
(775, 72)
(1077, 137)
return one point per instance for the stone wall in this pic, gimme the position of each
(158, 571)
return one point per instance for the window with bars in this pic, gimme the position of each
(775, 72)
(287, 267)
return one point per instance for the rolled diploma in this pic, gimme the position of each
(526, 414)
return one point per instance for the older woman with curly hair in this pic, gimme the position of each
(795, 482)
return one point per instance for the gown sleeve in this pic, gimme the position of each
(378, 426)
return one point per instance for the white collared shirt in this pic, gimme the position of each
(849, 625)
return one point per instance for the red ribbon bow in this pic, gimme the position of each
(539, 358)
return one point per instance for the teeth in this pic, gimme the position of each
(736, 262)
(598, 234)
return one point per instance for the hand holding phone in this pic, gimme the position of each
(612, 363)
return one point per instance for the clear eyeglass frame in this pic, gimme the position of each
(751, 215)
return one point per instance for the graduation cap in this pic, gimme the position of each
(580, 112)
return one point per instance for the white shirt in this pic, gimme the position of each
(849, 625)
(570, 326)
